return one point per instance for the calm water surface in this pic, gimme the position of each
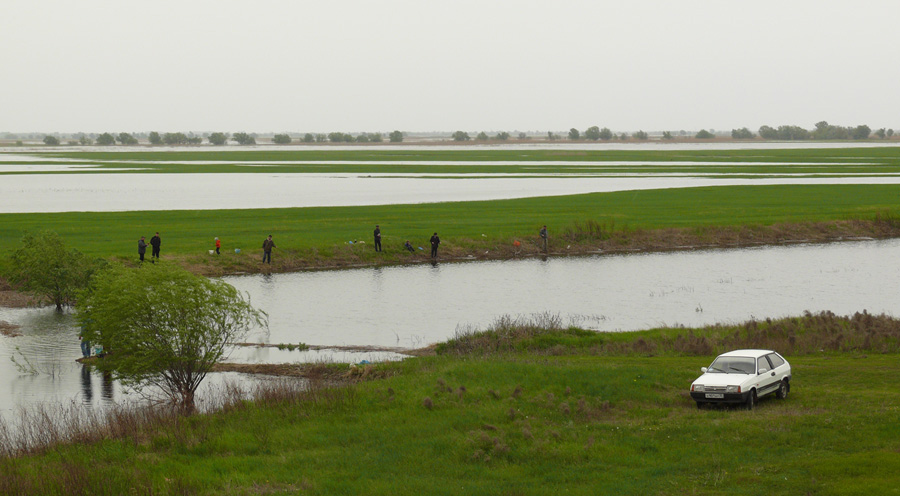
(414, 306)
(115, 192)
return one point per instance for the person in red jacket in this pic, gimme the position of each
(218, 245)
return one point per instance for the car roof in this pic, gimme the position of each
(748, 353)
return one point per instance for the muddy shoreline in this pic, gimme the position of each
(588, 242)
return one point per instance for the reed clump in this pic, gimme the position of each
(507, 333)
(810, 333)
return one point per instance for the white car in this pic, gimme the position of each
(742, 376)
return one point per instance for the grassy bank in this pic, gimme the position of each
(639, 220)
(545, 420)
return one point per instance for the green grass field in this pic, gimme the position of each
(321, 234)
(325, 231)
(520, 423)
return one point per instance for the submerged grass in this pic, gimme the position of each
(844, 161)
(519, 422)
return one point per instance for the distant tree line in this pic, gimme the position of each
(822, 131)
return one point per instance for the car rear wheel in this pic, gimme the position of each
(751, 400)
(782, 390)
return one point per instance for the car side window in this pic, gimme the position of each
(776, 360)
(762, 363)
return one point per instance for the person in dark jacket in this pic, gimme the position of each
(409, 246)
(142, 248)
(543, 234)
(268, 244)
(377, 238)
(435, 241)
(155, 242)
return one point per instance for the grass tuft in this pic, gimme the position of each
(809, 333)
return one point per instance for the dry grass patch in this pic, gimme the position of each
(8, 329)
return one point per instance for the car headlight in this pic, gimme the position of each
(732, 389)
(697, 387)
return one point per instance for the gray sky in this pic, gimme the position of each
(420, 65)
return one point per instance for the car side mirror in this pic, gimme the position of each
(763, 370)
(703, 369)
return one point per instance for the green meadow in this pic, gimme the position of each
(323, 233)
(556, 412)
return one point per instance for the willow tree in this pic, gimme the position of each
(163, 326)
(45, 267)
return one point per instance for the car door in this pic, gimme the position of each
(779, 366)
(767, 379)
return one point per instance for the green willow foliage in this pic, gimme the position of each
(44, 266)
(164, 327)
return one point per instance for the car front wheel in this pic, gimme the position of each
(782, 390)
(751, 400)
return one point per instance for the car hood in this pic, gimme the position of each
(722, 379)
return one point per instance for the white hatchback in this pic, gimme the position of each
(742, 376)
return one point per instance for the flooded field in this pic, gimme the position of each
(104, 179)
(115, 192)
(413, 306)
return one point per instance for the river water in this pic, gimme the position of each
(412, 306)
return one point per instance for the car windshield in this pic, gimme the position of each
(732, 365)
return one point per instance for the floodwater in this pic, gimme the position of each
(115, 192)
(413, 306)
(81, 188)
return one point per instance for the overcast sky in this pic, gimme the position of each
(423, 65)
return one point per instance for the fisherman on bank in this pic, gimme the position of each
(268, 244)
(155, 242)
(435, 241)
(142, 248)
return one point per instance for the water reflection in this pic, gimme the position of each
(87, 387)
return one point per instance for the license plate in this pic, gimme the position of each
(715, 395)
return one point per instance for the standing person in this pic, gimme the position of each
(377, 238)
(155, 242)
(268, 244)
(544, 237)
(142, 248)
(85, 344)
(435, 241)
(218, 245)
